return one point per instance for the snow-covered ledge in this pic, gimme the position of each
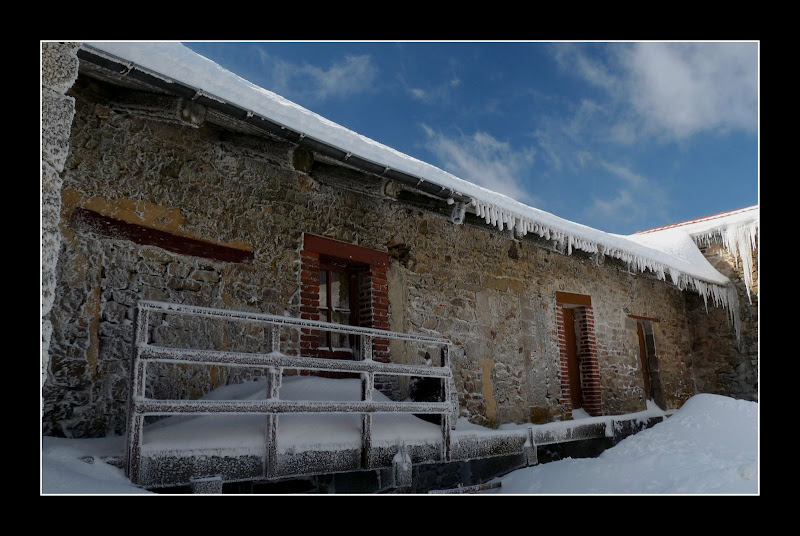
(59, 65)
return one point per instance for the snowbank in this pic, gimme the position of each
(709, 446)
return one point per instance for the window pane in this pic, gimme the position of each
(340, 291)
(340, 317)
(340, 341)
(323, 288)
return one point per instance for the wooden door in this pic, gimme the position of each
(643, 358)
(573, 369)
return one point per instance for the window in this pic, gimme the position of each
(338, 303)
(344, 284)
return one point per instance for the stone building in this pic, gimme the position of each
(173, 187)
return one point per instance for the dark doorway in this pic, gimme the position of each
(649, 360)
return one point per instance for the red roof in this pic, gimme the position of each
(698, 220)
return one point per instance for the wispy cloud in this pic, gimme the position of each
(485, 161)
(350, 76)
(635, 198)
(435, 94)
(671, 90)
(622, 206)
(572, 58)
(550, 148)
(633, 179)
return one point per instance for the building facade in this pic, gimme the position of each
(161, 199)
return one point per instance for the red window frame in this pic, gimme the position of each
(369, 306)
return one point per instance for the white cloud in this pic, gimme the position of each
(685, 88)
(350, 76)
(671, 90)
(549, 148)
(435, 94)
(621, 207)
(571, 58)
(485, 161)
(638, 197)
(626, 174)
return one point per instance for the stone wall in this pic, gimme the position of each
(59, 70)
(492, 294)
(721, 363)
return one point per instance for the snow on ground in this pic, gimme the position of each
(73, 466)
(245, 433)
(709, 446)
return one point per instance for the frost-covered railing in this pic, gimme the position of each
(274, 362)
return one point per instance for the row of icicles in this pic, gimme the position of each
(739, 240)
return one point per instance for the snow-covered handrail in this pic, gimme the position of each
(196, 310)
(274, 361)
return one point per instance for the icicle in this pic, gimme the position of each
(740, 240)
(674, 275)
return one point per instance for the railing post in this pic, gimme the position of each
(366, 347)
(447, 454)
(133, 447)
(448, 419)
(274, 375)
(271, 461)
(450, 394)
(274, 338)
(529, 449)
(367, 386)
(272, 392)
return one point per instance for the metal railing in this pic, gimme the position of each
(274, 362)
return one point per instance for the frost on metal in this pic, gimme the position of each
(262, 409)
(401, 464)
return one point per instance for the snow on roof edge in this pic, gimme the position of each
(173, 61)
(713, 222)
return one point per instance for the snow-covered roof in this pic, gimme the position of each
(176, 63)
(737, 230)
(716, 223)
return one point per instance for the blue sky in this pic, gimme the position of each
(618, 136)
